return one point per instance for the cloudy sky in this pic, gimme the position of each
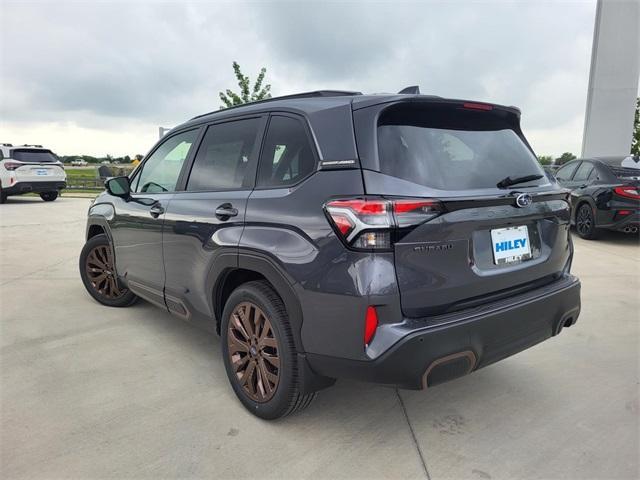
(100, 77)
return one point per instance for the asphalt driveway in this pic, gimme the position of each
(93, 392)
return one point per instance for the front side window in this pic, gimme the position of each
(161, 170)
(223, 157)
(287, 156)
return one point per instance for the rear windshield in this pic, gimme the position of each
(34, 156)
(456, 151)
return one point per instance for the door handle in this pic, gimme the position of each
(156, 210)
(226, 211)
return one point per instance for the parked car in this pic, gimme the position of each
(79, 163)
(30, 168)
(605, 194)
(400, 239)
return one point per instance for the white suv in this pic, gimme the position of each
(30, 168)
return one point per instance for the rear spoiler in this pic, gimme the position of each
(432, 99)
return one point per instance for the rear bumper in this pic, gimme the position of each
(625, 224)
(426, 355)
(37, 187)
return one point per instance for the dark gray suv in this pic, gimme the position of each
(402, 239)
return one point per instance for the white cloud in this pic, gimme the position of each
(101, 74)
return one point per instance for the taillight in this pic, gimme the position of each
(12, 165)
(372, 223)
(627, 191)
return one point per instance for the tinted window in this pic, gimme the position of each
(455, 151)
(583, 172)
(34, 156)
(287, 156)
(223, 157)
(161, 170)
(565, 172)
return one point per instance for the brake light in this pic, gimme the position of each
(627, 191)
(477, 106)
(370, 324)
(12, 165)
(371, 223)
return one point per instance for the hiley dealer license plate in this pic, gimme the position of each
(510, 244)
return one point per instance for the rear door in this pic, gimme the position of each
(488, 242)
(204, 220)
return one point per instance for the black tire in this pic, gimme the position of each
(586, 223)
(49, 196)
(3, 196)
(286, 397)
(96, 260)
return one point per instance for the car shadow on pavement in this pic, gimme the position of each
(344, 401)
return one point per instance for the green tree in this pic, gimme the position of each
(564, 158)
(247, 94)
(545, 159)
(635, 141)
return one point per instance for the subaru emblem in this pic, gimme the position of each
(523, 200)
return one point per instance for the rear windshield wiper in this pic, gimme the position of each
(507, 182)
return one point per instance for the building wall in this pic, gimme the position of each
(613, 81)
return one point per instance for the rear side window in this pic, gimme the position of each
(583, 172)
(223, 157)
(452, 149)
(34, 156)
(566, 172)
(287, 156)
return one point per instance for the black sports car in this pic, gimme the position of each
(605, 193)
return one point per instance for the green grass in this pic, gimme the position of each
(91, 173)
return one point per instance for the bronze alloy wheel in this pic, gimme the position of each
(101, 274)
(253, 351)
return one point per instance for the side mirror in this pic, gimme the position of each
(119, 187)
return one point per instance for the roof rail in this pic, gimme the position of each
(6, 144)
(35, 146)
(313, 94)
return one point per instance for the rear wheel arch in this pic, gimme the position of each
(252, 268)
(94, 230)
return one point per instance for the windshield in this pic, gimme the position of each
(455, 158)
(34, 156)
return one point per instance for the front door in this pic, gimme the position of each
(205, 219)
(137, 225)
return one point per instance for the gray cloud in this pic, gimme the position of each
(99, 65)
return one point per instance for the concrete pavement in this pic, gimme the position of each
(92, 392)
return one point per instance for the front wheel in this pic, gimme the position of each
(49, 196)
(3, 196)
(259, 353)
(97, 270)
(586, 222)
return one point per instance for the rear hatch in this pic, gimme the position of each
(485, 239)
(35, 164)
